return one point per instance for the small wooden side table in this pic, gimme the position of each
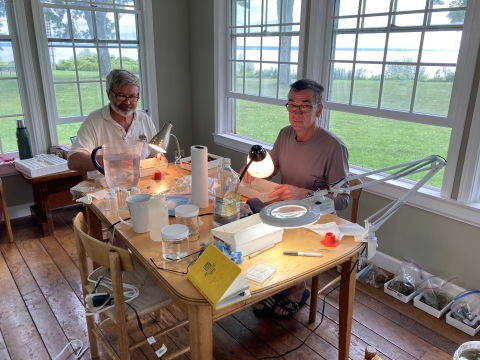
(5, 213)
(50, 192)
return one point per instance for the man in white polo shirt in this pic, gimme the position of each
(119, 120)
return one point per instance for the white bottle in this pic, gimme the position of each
(157, 216)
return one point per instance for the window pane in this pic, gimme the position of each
(341, 82)
(67, 100)
(87, 63)
(3, 19)
(270, 47)
(403, 46)
(376, 143)
(63, 65)
(254, 12)
(237, 76)
(270, 12)
(269, 80)
(434, 90)
(260, 121)
(91, 97)
(347, 7)
(376, 6)
(367, 85)
(56, 23)
(406, 5)
(448, 17)
(289, 48)
(349, 23)
(10, 97)
(408, 20)
(288, 75)
(127, 23)
(105, 25)
(109, 60)
(252, 78)
(441, 46)
(397, 87)
(238, 13)
(7, 62)
(65, 131)
(370, 47)
(82, 24)
(344, 45)
(8, 127)
(130, 61)
(373, 22)
(252, 45)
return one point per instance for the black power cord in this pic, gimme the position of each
(323, 312)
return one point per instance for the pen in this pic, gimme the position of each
(260, 251)
(300, 253)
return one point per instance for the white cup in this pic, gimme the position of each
(137, 205)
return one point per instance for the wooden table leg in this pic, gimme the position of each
(46, 208)
(313, 299)
(200, 330)
(94, 225)
(347, 294)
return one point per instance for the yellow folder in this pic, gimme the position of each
(218, 278)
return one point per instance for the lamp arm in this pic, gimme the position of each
(432, 164)
(179, 154)
(245, 170)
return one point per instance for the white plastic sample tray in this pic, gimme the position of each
(259, 188)
(41, 165)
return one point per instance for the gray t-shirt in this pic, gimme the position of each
(311, 164)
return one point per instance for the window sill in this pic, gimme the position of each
(8, 170)
(426, 199)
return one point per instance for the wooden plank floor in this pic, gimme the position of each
(41, 311)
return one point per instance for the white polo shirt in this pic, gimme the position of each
(99, 128)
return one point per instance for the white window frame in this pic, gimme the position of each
(466, 208)
(147, 61)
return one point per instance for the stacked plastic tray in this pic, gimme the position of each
(41, 165)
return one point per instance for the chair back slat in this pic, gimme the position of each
(97, 250)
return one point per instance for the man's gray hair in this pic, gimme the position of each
(305, 84)
(119, 77)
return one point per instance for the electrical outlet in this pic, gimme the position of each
(182, 153)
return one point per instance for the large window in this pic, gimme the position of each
(14, 83)
(394, 90)
(80, 42)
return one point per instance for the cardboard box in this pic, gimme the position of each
(60, 151)
(461, 326)
(247, 235)
(434, 312)
(186, 164)
(259, 188)
(396, 294)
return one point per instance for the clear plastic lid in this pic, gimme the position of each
(226, 161)
(188, 210)
(173, 232)
(260, 272)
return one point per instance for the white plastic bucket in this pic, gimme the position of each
(466, 346)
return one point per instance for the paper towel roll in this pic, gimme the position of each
(199, 175)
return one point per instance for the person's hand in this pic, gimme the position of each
(289, 192)
(247, 177)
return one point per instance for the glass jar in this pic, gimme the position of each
(188, 215)
(174, 242)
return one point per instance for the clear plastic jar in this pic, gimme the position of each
(175, 242)
(188, 215)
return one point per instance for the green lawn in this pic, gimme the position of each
(372, 142)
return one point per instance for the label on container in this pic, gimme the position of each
(227, 206)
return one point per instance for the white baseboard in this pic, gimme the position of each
(18, 211)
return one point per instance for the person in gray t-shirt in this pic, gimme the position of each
(308, 158)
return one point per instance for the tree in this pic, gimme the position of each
(457, 17)
(285, 41)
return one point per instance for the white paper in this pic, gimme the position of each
(338, 230)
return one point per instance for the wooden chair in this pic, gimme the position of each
(122, 269)
(5, 213)
(355, 198)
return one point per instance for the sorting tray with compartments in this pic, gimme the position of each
(41, 165)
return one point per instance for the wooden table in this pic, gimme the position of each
(50, 192)
(290, 270)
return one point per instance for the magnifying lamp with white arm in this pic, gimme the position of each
(161, 140)
(432, 164)
(297, 213)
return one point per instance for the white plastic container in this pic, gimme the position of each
(396, 294)
(460, 325)
(432, 311)
(469, 345)
(188, 215)
(157, 216)
(174, 242)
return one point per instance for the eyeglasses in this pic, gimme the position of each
(303, 108)
(124, 98)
